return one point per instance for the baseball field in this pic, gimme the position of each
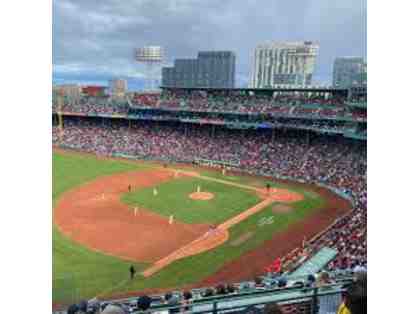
(180, 226)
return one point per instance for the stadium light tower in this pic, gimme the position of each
(152, 57)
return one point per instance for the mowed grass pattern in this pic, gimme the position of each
(73, 265)
(173, 199)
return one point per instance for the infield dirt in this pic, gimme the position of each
(109, 226)
(93, 215)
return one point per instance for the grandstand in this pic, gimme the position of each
(321, 110)
(309, 135)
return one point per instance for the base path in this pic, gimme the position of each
(205, 243)
(208, 241)
(94, 216)
(280, 195)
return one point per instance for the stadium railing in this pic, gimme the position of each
(309, 298)
(361, 104)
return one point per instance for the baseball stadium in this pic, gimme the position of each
(211, 199)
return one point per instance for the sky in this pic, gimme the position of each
(93, 40)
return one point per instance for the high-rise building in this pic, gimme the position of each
(349, 71)
(283, 64)
(118, 87)
(215, 69)
(71, 91)
(94, 91)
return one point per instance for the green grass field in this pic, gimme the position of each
(173, 198)
(94, 273)
(198, 267)
(254, 181)
(74, 265)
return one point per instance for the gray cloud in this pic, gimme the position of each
(99, 36)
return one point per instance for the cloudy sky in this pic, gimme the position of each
(93, 40)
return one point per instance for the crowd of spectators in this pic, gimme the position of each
(335, 161)
(269, 107)
(92, 106)
(291, 104)
(145, 100)
(353, 297)
(358, 115)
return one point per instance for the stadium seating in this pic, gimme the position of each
(171, 103)
(334, 161)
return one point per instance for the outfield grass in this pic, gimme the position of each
(89, 271)
(173, 198)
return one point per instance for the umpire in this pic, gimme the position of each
(132, 271)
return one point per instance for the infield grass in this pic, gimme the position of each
(253, 181)
(173, 198)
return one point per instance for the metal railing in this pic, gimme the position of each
(313, 300)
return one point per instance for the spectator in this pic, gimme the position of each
(220, 289)
(272, 308)
(258, 282)
(187, 300)
(230, 288)
(343, 309)
(324, 279)
(172, 301)
(82, 306)
(328, 304)
(356, 297)
(209, 292)
(72, 309)
(114, 309)
(144, 302)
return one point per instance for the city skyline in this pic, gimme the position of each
(94, 41)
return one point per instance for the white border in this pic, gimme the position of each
(25, 128)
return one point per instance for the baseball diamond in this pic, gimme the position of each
(144, 205)
(207, 157)
(109, 227)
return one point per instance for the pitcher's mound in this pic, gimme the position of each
(203, 196)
